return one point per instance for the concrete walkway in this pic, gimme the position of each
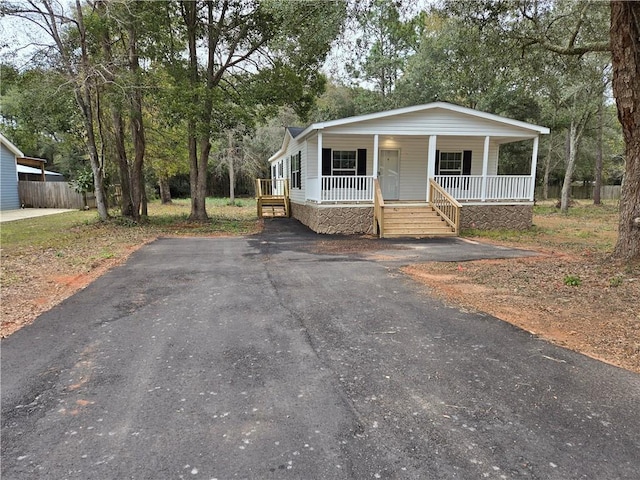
(22, 213)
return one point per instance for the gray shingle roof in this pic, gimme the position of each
(295, 131)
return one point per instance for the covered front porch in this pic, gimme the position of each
(466, 168)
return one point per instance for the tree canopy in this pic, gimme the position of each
(151, 90)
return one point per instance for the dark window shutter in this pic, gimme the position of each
(437, 162)
(326, 167)
(326, 161)
(361, 162)
(466, 162)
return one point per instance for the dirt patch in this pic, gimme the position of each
(583, 302)
(46, 287)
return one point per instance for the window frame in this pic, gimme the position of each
(352, 171)
(296, 170)
(451, 171)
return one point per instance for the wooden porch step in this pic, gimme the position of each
(274, 212)
(408, 210)
(411, 216)
(273, 206)
(418, 232)
(414, 221)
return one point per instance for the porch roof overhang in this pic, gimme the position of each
(527, 130)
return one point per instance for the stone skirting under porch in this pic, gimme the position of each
(490, 215)
(357, 219)
(335, 219)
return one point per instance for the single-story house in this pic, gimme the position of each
(420, 170)
(9, 197)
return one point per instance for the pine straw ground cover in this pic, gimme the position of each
(572, 294)
(47, 259)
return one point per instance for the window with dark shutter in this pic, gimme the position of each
(326, 162)
(296, 178)
(466, 162)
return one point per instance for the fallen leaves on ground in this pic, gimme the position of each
(583, 302)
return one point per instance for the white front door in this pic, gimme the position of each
(389, 174)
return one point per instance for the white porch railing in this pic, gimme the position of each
(498, 187)
(344, 188)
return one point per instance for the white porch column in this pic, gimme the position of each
(375, 155)
(485, 168)
(319, 199)
(534, 165)
(431, 161)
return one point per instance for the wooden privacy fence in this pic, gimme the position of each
(52, 195)
(583, 192)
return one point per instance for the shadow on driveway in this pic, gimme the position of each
(287, 235)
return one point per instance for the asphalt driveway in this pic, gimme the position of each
(272, 357)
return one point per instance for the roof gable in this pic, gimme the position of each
(290, 134)
(12, 148)
(415, 111)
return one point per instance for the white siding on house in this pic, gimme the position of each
(408, 132)
(413, 156)
(312, 157)
(437, 121)
(9, 198)
(476, 145)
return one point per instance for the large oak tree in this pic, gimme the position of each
(575, 28)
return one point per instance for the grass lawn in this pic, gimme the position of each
(46, 259)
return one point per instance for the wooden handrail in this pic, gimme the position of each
(447, 206)
(378, 208)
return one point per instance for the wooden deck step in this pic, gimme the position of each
(273, 206)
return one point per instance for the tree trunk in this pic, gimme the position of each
(625, 48)
(571, 161)
(598, 173)
(137, 126)
(232, 180)
(144, 204)
(126, 203)
(165, 191)
(83, 98)
(197, 166)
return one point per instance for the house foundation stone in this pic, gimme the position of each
(335, 219)
(487, 217)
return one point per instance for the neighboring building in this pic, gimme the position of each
(409, 156)
(9, 197)
(32, 174)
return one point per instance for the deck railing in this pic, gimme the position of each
(497, 187)
(278, 187)
(447, 206)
